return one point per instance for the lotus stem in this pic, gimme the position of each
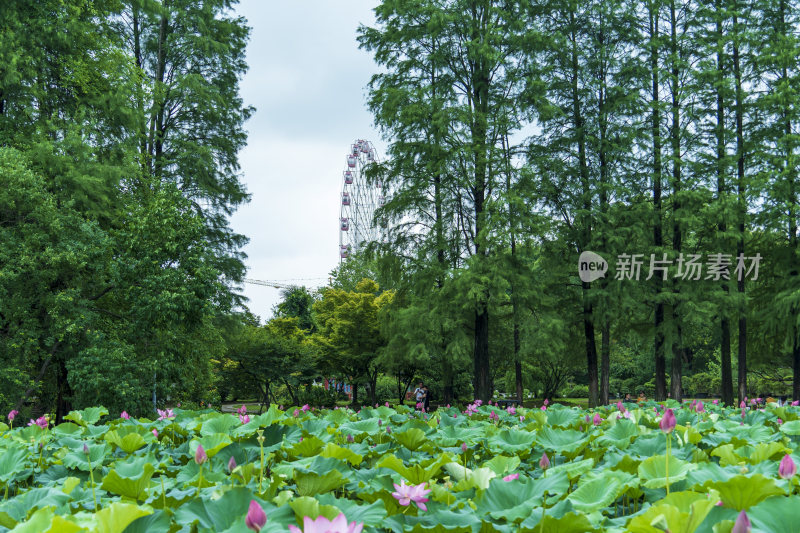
(669, 446)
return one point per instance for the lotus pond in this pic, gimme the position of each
(555, 469)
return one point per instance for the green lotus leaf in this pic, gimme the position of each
(362, 427)
(130, 478)
(743, 492)
(573, 469)
(17, 509)
(219, 423)
(77, 459)
(510, 501)
(414, 474)
(344, 454)
(12, 461)
(791, 428)
(502, 464)
(727, 455)
(507, 441)
(158, 522)
(308, 506)
(620, 434)
(371, 515)
(776, 515)
(654, 472)
(568, 523)
(682, 512)
(212, 444)
(768, 451)
(218, 514)
(45, 521)
(308, 447)
(88, 416)
(595, 494)
(68, 429)
(310, 483)
(411, 439)
(561, 440)
(561, 416)
(116, 517)
(129, 438)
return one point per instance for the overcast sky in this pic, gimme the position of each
(307, 81)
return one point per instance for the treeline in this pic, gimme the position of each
(522, 134)
(120, 123)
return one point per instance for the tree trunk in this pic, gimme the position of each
(481, 356)
(64, 393)
(742, 360)
(354, 403)
(605, 362)
(725, 330)
(658, 328)
(678, 351)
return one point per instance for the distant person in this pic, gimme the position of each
(628, 397)
(426, 400)
(642, 398)
(419, 393)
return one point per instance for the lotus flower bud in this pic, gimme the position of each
(463, 447)
(511, 477)
(200, 456)
(544, 462)
(124, 415)
(787, 468)
(742, 524)
(597, 420)
(667, 423)
(350, 438)
(700, 408)
(86, 451)
(715, 401)
(296, 413)
(620, 407)
(256, 518)
(155, 432)
(388, 429)
(231, 464)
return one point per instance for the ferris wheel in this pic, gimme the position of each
(359, 201)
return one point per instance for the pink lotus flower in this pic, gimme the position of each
(620, 407)
(742, 404)
(323, 525)
(544, 462)
(163, 415)
(256, 518)
(715, 401)
(387, 404)
(448, 406)
(280, 407)
(780, 421)
(787, 468)
(231, 464)
(350, 438)
(420, 405)
(478, 402)
(244, 419)
(155, 432)
(242, 410)
(546, 401)
(125, 416)
(700, 408)
(42, 422)
(306, 408)
(597, 420)
(543, 408)
(463, 447)
(511, 477)
(796, 403)
(296, 413)
(667, 423)
(12, 415)
(380, 422)
(493, 416)
(742, 524)
(521, 418)
(511, 410)
(200, 456)
(455, 415)
(405, 494)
